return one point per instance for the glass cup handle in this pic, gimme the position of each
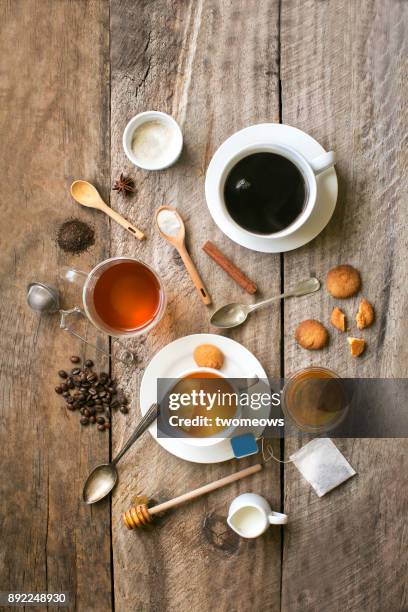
(126, 357)
(72, 275)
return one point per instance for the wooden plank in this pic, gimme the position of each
(343, 72)
(54, 124)
(187, 58)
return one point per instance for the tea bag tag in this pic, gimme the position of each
(244, 445)
(321, 463)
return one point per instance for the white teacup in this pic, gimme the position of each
(227, 432)
(250, 515)
(308, 169)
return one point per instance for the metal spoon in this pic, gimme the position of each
(233, 315)
(87, 195)
(103, 478)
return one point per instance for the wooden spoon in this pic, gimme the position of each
(87, 195)
(176, 238)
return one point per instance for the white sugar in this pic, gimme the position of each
(168, 222)
(153, 143)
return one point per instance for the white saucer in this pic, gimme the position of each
(279, 134)
(177, 357)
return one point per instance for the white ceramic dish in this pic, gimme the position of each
(177, 357)
(277, 134)
(175, 146)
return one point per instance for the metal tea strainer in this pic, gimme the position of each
(45, 299)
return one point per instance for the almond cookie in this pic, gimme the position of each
(357, 346)
(365, 315)
(343, 281)
(311, 335)
(208, 356)
(338, 319)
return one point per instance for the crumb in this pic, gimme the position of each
(338, 319)
(365, 315)
(208, 356)
(357, 346)
(311, 335)
(343, 281)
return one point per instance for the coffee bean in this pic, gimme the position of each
(103, 376)
(62, 374)
(124, 409)
(100, 420)
(101, 394)
(92, 377)
(75, 371)
(58, 390)
(65, 393)
(64, 386)
(86, 412)
(89, 363)
(101, 427)
(70, 400)
(71, 383)
(107, 426)
(90, 402)
(115, 404)
(70, 407)
(98, 402)
(112, 390)
(93, 391)
(92, 419)
(84, 420)
(99, 409)
(75, 359)
(91, 411)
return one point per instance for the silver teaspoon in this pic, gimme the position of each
(233, 315)
(103, 478)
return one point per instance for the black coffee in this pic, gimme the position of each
(265, 193)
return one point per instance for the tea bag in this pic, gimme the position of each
(321, 463)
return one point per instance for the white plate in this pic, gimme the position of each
(177, 357)
(278, 134)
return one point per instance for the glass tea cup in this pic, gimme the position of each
(121, 296)
(315, 400)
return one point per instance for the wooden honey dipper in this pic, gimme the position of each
(141, 515)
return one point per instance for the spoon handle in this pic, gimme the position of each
(144, 423)
(304, 288)
(195, 277)
(122, 221)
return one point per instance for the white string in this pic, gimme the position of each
(267, 453)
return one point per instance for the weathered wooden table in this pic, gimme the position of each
(72, 74)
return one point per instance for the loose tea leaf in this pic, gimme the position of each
(75, 236)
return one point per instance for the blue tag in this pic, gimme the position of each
(244, 446)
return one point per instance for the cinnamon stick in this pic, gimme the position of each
(230, 268)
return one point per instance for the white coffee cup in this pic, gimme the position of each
(309, 169)
(250, 515)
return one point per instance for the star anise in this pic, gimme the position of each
(124, 184)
